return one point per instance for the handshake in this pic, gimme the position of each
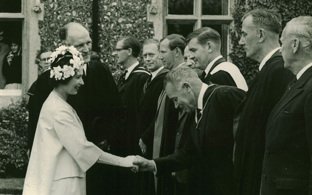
(138, 163)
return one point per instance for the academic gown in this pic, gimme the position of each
(131, 92)
(61, 153)
(208, 151)
(225, 73)
(265, 90)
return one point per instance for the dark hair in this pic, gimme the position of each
(133, 43)
(266, 18)
(61, 60)
(205, 34)
(176, 41)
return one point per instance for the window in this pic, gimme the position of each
(184, 16)
(18, 25)
(11, 25)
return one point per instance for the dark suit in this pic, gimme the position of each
(265, 90)
(288, 142)
(209, 148)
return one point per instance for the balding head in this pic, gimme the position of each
(78, 36)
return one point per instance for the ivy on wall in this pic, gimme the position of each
(287, 9)
(120, 18)
(57, 14)
(117, 18)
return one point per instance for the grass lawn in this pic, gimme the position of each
(11, 185)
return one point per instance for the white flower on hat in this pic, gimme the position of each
(68, 70)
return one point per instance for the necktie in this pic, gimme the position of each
(148, 82)
(122, 78)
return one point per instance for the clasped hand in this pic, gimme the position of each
(141, 164)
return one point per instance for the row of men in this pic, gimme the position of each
(270, 149)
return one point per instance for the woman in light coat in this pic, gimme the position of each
(61, 154)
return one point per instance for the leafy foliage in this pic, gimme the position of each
(120, 18)
(13, 140)
(287, 9)
(116, 18)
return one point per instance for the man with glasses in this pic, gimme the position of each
(130, 86)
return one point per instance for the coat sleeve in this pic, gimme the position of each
(72, 137)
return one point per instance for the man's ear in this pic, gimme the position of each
(295, 45)
(130, 51)
(177, 51)
(210, 46)
(186, 86)
(261, 34)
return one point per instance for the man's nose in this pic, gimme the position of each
(241, 41)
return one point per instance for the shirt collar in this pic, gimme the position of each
(130, 69)
(267, 57)
(305, 68)
(156, 72)
(211, 63)
(200, 100)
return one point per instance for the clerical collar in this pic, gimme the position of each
(200, 100)
(130, 69)
(209, 66)
(267, 57)
(156, 72)
(305, 68)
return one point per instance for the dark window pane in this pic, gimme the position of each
(215, 7)
(180, 28)
(10, 6)
(11, 57)
(181, 7)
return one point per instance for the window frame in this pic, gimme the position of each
(160, 19)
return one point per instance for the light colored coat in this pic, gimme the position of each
(61, 153)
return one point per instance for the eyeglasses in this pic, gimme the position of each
(120, 49)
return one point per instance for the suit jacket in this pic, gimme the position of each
(209, 148)
(60, 149)
(265, 90)
(131, 92)
(288, 144)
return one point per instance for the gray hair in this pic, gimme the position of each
(179, 75)
(266, 18)
(301, 27)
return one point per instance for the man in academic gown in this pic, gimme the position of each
(288, 144)
(152, 89)
(130, 86)
(208, 150)
(204, 46)
(261, 42)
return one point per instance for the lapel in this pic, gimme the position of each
(296, 89)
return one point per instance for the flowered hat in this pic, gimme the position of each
(60, 71)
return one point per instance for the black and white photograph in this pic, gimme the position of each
(155, 97)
